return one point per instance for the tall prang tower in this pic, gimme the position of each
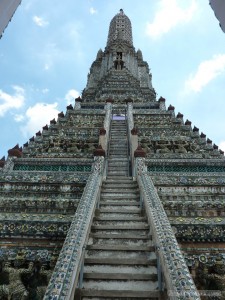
(119, 72)
(118, 198)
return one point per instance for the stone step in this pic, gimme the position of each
(116, 127)
(119, 276)
(118, 146)
(123, 208)
(118, 149)
(120, 210)
(120, 285)
(128, 255)
(118, 153)
(135, 209)
(120, 192)
(117, 159)
(118, 168)
(119, 203)
(120, 261)
(111, 214)
(117, 247)
(117, 224)
(119, 189)
(123, 231)
(116, 142)
(123, 182)
(120, 180)
(119, 126)
(122, 173)
(123, 269)
(119, 294)
(118, 133)
(118, 218)
(118, 196)
(123, 236)
(119, 186)
(122, 156)
(120, 227)
(122, 143)
(118, 164)
(119, 138)
(126, 242)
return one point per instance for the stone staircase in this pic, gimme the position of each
(120, 262)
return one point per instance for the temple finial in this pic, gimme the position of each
(120, 30)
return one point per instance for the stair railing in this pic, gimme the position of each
(129, 169)
(130, 126)
(178, 281)
(65, 277)
(107, 126)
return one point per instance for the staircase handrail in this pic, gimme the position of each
(130, 126)
(107, 127)
(178, 280)
(65, 276)
(107, 124)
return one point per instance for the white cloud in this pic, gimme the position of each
(18, 118)
(222, 146)
(40, 21)
(170, 15)
(71, 95)
(14, 101)
(206, 72)
(93, 11)
(37, 116)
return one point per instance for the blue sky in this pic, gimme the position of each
(47, 50)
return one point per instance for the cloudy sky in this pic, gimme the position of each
(47, 50)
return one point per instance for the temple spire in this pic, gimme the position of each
(120, 30)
